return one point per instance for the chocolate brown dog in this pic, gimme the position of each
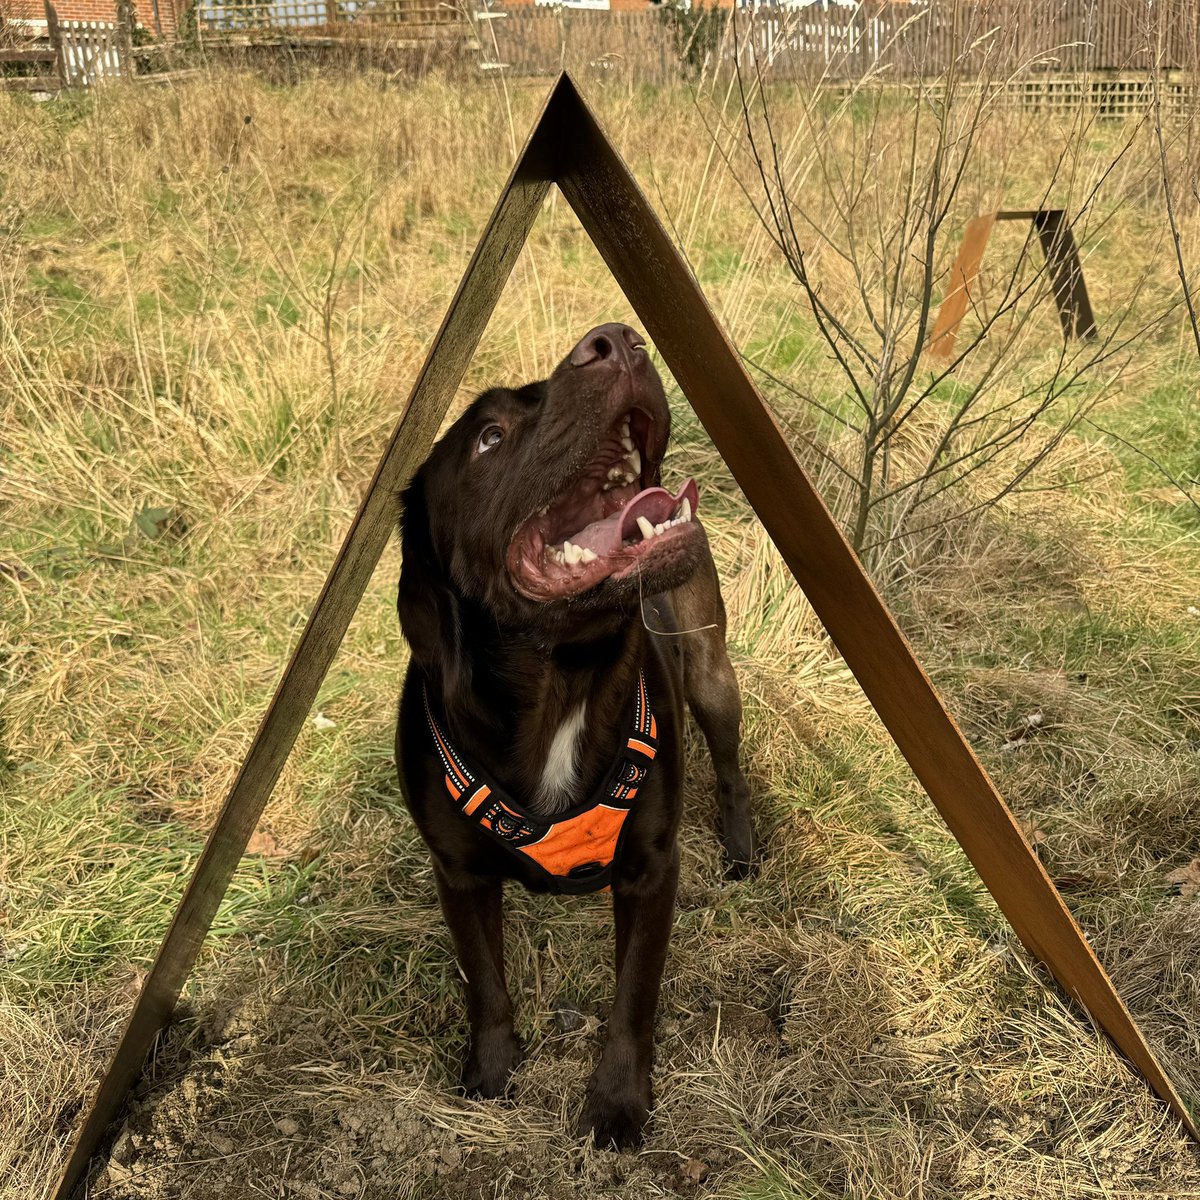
(540, 732)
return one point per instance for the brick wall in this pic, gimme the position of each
(158, 17)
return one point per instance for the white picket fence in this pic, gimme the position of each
(91, 50)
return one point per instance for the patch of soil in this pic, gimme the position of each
(246, 1109)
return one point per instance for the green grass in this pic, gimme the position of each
(855, 1018)
(1157, 439)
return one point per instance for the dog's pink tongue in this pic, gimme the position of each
(655, 504)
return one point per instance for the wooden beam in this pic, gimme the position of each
(963, 275)
(30, 83)
(54, 30)
(472, 305)
(38, 55)
(1066, 274)
(668, 300)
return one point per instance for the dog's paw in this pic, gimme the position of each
(616, 1122)
(739, 867)
(736, 826)
(489, 1066)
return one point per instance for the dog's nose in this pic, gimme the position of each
(614, 341)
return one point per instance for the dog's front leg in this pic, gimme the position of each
(618, 1093)
(474, 912)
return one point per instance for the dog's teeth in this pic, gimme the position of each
(626, 442)
(685, 510)
(634, 458)
(588, 555)
(572, 553)
(616, 472)
(625, 429)
(646, 528)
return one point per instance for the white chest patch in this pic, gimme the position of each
(560, 777)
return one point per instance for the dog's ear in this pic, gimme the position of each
(429, 608)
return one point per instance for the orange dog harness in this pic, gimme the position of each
(574, 852)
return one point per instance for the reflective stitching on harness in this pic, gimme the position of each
(576, 850)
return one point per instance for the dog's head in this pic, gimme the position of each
(542, 505)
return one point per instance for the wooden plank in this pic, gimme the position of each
(54, 31)
(39, 55)
(30, 83)
(490, 266)
(963, 275)
(1066, 274)
(668, 300)
(170, 78)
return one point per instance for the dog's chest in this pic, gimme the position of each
(559, 783)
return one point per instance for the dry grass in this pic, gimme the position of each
(212, 301)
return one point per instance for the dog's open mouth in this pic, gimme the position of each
(607, 524)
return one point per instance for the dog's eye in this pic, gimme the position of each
(489, 439)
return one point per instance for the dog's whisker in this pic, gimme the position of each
(663, 632)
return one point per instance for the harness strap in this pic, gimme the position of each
(575, 851)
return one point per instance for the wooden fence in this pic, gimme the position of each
(896, 42)
(1056, 53)
(91, 51)
(29, 68)
(994, 37)
(997, 39)
(542, 41)
(72, 54)
(363, 19)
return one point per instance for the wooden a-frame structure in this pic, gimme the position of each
(567, 148)
(1062, 261)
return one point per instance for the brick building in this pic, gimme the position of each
(160, 18)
